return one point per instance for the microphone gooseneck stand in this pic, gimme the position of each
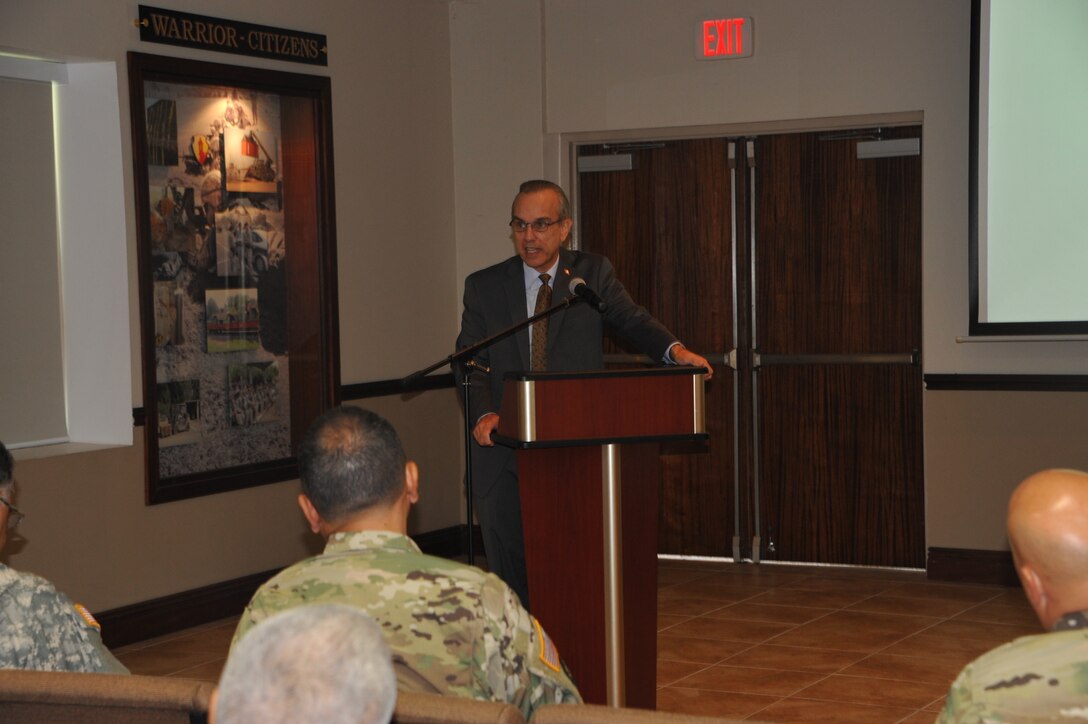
(464, 358)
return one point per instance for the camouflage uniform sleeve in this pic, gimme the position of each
(254, 612)
(110, 664)
(1043, 677)
(523, 665)
(958, 704)
(44, 631)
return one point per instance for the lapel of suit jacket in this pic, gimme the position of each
(560, 291)
(514, 286)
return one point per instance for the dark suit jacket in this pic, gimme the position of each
(495, 300)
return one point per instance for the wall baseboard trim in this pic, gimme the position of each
(176, 612)
(1007, 383)
(160, 616)
(964, 565)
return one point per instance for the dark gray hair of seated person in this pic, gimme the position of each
(350, 459)
(324, 663)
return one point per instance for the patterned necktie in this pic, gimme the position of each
(540, 327)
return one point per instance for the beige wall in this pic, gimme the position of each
(994, 440)
(87, 527)
(440, 108)
(627, 68)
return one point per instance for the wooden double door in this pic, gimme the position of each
(794, 262)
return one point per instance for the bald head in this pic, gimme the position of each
(1048, 530)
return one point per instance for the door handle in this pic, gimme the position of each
(764, 359)
(724, 359)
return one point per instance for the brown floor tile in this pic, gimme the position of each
(874, 574)
(672, 576)
(215, 640)
(749, 611)
(861, 586)
(665, 620)
(688, 606)
(935, 645)
(209, 671)
(793, 709)
(874, 692)
(769, 576)
(1011, 597)
(936, 607)
(991, 634)
(855, 631)
(1010, 615)
(795, 658)
(906, 668)
(814, 599)
(669, 672)
(770, 682)
(715, 589)
(950, 591)
(208, 636)
(919, 717)
(715, 628)
(697, 650)
(163, 662)
(710, 703)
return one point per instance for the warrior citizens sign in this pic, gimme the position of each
(230, 36)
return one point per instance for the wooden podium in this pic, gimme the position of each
(589, 473)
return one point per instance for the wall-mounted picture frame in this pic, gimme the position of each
(237, 270)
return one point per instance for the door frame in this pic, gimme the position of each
(565, 147)
(565, 160)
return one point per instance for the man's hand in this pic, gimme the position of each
(684, 356)
(484, 427)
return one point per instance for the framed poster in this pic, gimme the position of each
(237, 270)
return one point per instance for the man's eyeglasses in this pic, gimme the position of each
(539, 226)
(15, 516)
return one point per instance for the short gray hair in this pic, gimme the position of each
(320, 663)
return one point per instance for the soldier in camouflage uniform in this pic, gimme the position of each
(1042, 677)
(40, 628)
(453, 628)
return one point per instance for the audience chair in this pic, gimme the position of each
(418, 708)
(54, 697)
(596, 714)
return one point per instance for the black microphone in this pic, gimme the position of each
(578, 286)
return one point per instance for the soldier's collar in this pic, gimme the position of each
(346, 541)
(1071, 621)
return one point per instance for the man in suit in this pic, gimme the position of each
(498, 297)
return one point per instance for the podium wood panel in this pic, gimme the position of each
(561, 408)
(563, 514)
(588, 471)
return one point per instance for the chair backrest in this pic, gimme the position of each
(49, 697)
(596, 714)
(418, 708)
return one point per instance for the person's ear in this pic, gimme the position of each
(1033, 588)
(411, 481)
(564, 227)
(310, 512)
(213, 700)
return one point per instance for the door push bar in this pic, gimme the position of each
(763, 359)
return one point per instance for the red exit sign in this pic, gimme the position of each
(724, 38)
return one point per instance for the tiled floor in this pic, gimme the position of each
(768, 642)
